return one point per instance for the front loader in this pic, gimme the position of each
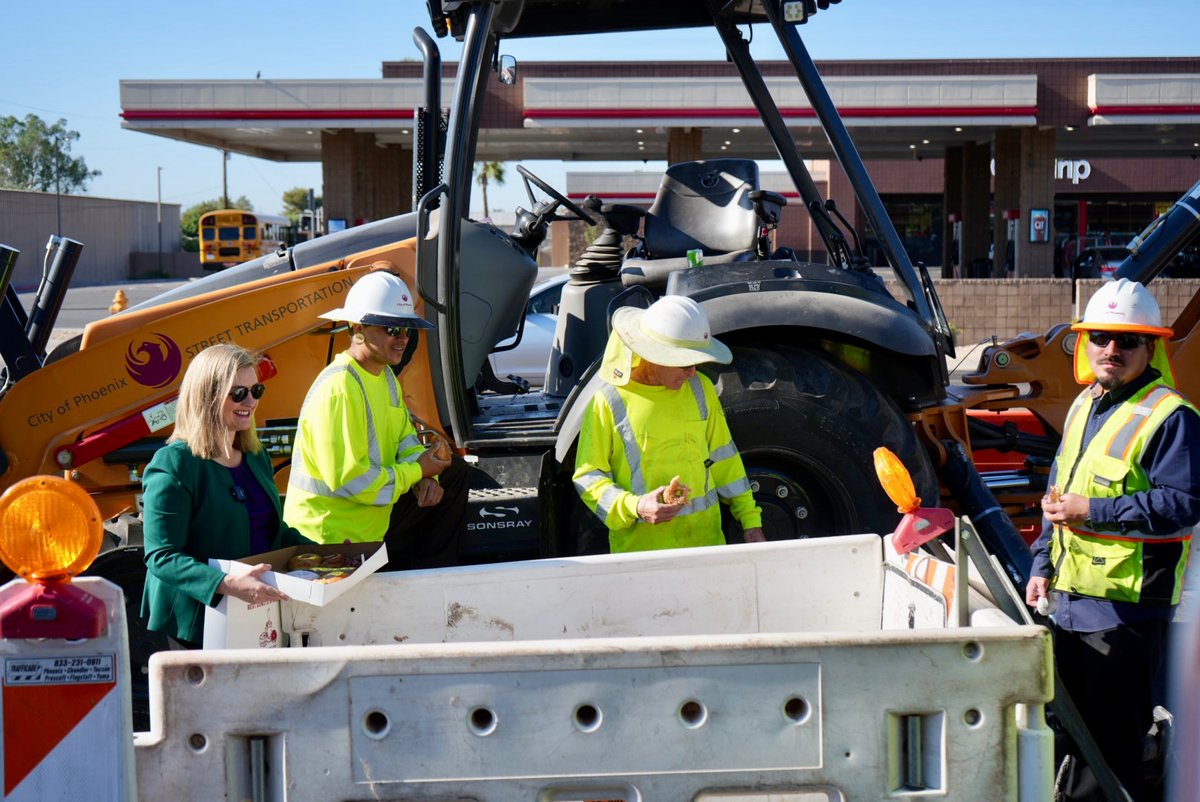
(827, 367)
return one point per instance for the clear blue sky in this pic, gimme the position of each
(65, 59)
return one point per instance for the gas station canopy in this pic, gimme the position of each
(624, 111)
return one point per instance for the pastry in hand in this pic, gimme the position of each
(1054, 495)
(676, 493)
(441, 449)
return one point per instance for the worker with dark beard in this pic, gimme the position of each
(1115, 541)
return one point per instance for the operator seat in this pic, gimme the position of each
(700, 204)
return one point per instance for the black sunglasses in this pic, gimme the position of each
(396, 331)
(1126, 342)
(238, 394)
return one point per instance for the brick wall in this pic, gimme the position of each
(980, 308)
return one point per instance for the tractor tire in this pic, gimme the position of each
(807, 427)
(125, 568)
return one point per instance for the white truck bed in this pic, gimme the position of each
(741, 672)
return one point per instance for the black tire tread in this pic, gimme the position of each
(803, 401)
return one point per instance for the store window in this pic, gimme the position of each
(918, 221)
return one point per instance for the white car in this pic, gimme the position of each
(531, 357)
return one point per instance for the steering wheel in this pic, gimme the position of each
(558, 197)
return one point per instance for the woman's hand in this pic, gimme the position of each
(249, 588)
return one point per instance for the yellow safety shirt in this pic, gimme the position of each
(355, 453)
(635, 438)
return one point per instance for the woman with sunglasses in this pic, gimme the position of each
(209, 494)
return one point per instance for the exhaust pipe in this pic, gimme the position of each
(62, 254)
(19, 359)
(428, 137)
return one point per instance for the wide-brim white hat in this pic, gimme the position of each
(673, 332)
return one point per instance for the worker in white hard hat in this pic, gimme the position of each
(655, 454)
(359, 470)
(1124, 496)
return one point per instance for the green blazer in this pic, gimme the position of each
(190, 517)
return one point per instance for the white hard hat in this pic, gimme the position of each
(1119, 306)
(1123, 305)
(673, 332)
(379, 299)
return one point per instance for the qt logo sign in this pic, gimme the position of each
(1075, 170)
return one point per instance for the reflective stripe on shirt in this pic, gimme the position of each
(358, 484)
(633, 456)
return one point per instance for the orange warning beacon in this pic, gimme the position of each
(50, 531)
(66, 715)
(919, 525)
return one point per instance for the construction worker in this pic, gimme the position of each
(359, 470)
(656, 419)
(1112, 552)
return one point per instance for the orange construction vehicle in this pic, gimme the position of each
(827, 365)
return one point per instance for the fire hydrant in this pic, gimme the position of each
(119, 303)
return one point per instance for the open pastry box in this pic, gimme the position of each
(234, 624)
(372, 555)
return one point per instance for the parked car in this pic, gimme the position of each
(531, 357)
(1100, 262)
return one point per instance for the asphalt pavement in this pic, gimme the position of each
(83, 305)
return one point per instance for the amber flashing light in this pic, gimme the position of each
(896, 481)
(50, 529)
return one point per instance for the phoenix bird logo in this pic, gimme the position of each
(154, 363)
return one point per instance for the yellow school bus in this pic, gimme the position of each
(232, 236)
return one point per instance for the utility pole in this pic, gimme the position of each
(224, 179)
(57, 189)
(158, 209)
(312, 205)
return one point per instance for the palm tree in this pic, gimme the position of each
(489, 172)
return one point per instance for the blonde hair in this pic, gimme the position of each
(202, 393)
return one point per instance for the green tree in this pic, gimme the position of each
(489, 172)
(33, 154)
(189, 221)
(295, 201)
